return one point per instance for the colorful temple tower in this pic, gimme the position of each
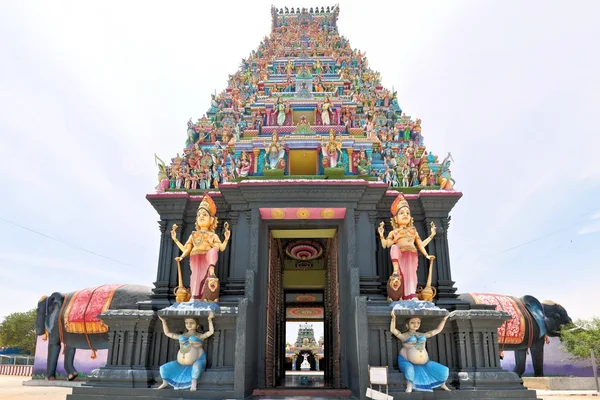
(303, 153)
(305, 346)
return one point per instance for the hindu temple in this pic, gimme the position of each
(301, 159)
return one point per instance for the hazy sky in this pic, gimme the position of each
(89, 91)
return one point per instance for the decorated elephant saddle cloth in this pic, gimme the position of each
(513, 330)
(83, 308)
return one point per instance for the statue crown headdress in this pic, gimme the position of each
(208, 204)
(398, 204)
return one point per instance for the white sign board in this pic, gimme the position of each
(378, 375)
(376, 395)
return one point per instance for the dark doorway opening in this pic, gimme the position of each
(303, 288)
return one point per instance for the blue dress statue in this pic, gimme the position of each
(419, 371)
(191, 358)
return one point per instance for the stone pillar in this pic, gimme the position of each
(268, 113)
(475, 364)
(235, 277)
(129, 348)
(436, 209)
(287, 164)
(350, 150)
(255, 159)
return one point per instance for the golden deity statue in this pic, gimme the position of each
(332, 149)
(274, 151)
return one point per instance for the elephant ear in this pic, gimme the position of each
(55, 302)
(536, 310)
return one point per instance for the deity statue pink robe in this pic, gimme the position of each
(408, 262)
(199, 265)
(333, 156)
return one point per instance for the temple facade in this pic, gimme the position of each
(303, 154)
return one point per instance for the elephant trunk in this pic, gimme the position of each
(41, 315)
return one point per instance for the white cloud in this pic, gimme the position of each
(594, 227)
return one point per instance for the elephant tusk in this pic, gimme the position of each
(577, 327)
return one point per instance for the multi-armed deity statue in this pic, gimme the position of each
(203, 247)
(274, 153)
(404, 241)
(331, 150)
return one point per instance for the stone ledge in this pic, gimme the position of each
(560, 383)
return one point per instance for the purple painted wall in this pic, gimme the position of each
(557, 362)
(83, 363)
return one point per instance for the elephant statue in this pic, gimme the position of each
(532, 321)
(72, 319)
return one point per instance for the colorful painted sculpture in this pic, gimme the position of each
(445, 179)
(326, 109)
(331, 150)
(531, 324)
(275, 153)
(404, 241)
(280, 110)
(191, 358)
(70, 321)
(419, 371)
(305, 70)
(203, 247)
(363, 165)
(243, 165)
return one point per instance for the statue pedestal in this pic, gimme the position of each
(273, 173)
(417, 308)
(333, 173)
(194, 308)
(429, 313)
(305, 366)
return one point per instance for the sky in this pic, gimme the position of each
(89, 91)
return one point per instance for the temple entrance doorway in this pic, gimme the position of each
(303, 341)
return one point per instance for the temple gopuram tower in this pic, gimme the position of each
(304, 153)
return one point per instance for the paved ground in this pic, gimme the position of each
(11, 388)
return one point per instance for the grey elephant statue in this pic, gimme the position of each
(531, 323)
(72, 319)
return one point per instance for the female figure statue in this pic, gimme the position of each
(243, 165)
(191, 358)
(203, 246)
(326, 108)
(419, 371)
(280, 109)
(404, 242)
(274, 152)
(332, 149)
(364, 164)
